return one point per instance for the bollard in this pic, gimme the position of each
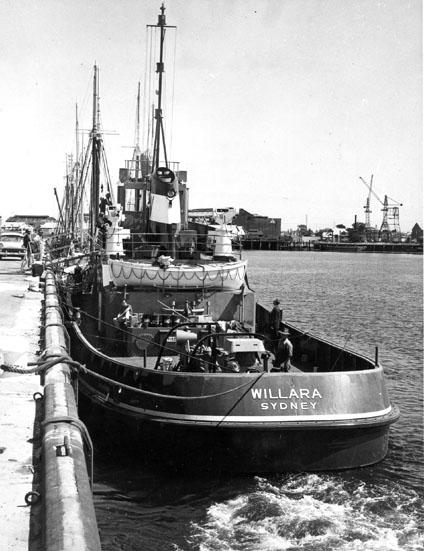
(69, 520)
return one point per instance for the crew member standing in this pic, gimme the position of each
(105, 202)
(41, 245)
(284, 351)
(275, 319)
(123, 320)
(125, 313)
(36, 243)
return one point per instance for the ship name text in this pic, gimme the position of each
(289, 399)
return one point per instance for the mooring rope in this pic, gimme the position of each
(42, 365)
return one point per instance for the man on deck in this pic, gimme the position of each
(275, 319)
(284, 351)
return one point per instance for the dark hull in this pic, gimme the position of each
(234, 449)
(247, 423)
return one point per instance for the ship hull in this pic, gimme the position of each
(236, 449)
(261, 422)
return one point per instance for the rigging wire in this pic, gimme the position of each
(173, 93)
(164, 91)
(82, 109)
(342, 350)
(149, 90)
(107, 173)
(144, 116)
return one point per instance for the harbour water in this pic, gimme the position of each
(359, 300)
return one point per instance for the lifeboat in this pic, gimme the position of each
(219, 275)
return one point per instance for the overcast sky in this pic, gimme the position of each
(279, 105)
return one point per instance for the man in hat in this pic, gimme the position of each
(284, 351)
(275, 319)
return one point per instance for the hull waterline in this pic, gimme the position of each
(236, 449)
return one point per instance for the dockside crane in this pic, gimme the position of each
(390, 223)
(367, 207)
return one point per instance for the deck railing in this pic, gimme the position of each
(187, 245)
(313, 353)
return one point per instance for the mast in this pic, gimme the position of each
(165, 205)
(159, 138)
(71, 197)
(137, 119)
(137, 152)
(80, 190)
(95, 159)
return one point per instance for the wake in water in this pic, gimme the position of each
(314, 513)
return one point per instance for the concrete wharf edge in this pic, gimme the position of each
(69, 516)
(20, 524)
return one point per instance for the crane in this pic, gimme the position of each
(367, 208)
(390, 222)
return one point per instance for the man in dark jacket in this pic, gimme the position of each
(275, 319)
(28, 247)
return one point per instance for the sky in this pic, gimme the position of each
(279, 106)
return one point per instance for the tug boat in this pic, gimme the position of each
(181, 360)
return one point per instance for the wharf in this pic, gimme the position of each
(369, 247)
(45, 451)
(19, 334)
(264, 244)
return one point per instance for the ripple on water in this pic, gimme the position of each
(313, 512)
